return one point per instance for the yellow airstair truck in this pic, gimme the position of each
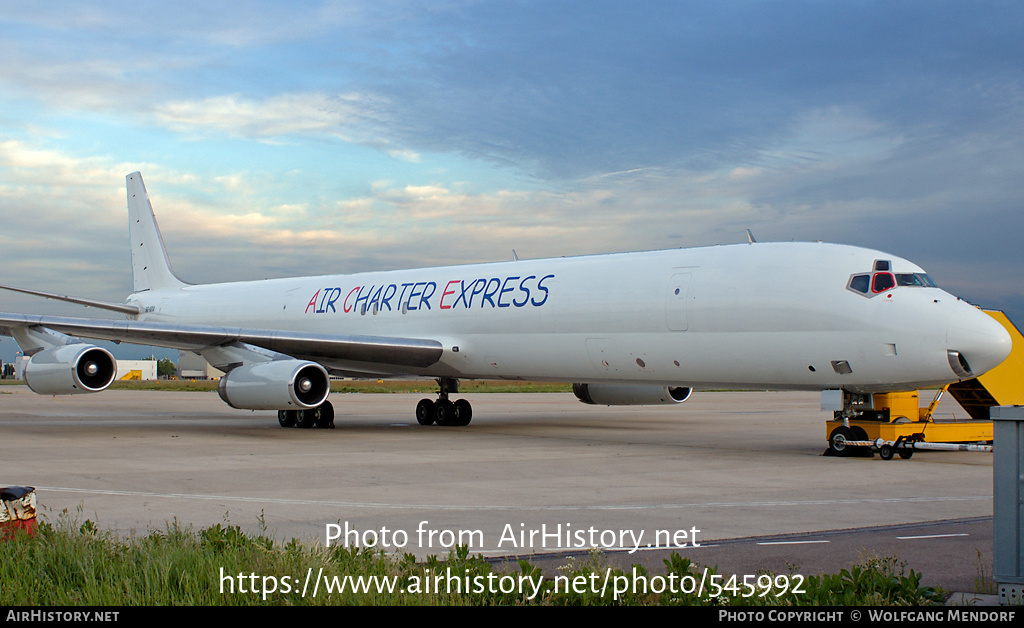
(895, 424)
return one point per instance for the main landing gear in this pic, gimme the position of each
(321, 416)
(444, 411)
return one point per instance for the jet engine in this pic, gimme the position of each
(277, 385)
(629, 394)
(70, 369)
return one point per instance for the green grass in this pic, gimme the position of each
(68, 563)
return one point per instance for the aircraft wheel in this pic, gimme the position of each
(837, 441)
(286, 418)
(425, 412)
(306, 418)
(444, 413)
(859, 434)
(885, 452)
(463, 412)
(325, 415)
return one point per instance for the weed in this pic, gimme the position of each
(74, 562)
(983, 583)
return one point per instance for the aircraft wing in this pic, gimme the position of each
(405, 352)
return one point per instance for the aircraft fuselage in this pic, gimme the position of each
(772, 315)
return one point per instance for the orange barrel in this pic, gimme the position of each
(17, 510)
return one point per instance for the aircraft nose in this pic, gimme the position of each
(976, 343)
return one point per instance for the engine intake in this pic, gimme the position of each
(278, 385)
(629, 394)
(70, 370)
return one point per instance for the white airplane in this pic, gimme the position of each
(631, 328)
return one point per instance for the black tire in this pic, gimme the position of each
(859, 434)
(286, 418)
(885, 452)
(425, 412)
(306, 418)
(837, 442)
(444, 413)
(905, 454)
(463, 412)
(325, 416)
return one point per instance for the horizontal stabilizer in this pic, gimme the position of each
(103, 305)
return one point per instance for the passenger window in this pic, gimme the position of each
(882, 282)
(860, 283)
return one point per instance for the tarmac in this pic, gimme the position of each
(732, 479)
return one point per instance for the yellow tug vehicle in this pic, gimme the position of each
(895, 423)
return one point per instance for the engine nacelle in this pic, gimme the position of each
(278, 385)
(70, 370)
(629, 394)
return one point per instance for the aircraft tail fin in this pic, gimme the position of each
(151, 268)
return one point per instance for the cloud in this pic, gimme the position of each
(405, 154)
(274, 117)
(59, 169)
(496, 125)
(356, 118)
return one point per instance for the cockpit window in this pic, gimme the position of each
(914, 279)
(882, 282)
(860, 283)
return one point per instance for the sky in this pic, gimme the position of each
(280, 139)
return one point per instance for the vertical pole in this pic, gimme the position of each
(1008, 502)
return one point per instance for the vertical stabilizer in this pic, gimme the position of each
(151, 269)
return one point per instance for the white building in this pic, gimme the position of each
(193, 366)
